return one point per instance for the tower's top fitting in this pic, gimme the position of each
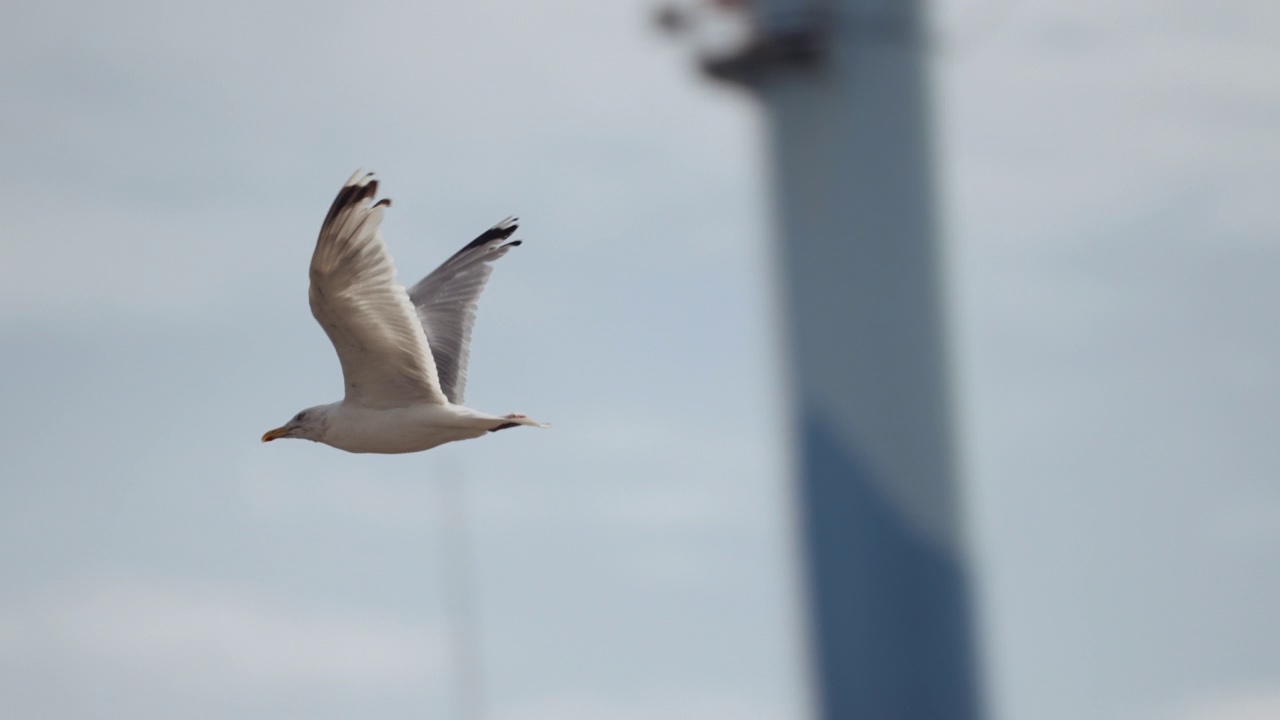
(734, 45)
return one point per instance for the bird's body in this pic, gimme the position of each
(403, 352)
(412, 428)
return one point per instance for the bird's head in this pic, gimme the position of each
(310, 424)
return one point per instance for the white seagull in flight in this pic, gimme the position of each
(403, 353)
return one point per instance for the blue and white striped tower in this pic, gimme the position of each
(845, 87)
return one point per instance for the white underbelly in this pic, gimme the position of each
(403, 430)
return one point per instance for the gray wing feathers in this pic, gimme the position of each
(446, 303)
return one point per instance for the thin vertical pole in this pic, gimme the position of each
(460, 600)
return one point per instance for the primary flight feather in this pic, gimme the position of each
(403, 352)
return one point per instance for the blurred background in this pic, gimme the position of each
(1108, 174)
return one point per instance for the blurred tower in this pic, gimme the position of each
(845, 90)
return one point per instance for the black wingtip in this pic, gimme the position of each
(358, 189)
(501, 231)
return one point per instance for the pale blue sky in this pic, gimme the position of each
(1109, 172)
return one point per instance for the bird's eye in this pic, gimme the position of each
(298, 417)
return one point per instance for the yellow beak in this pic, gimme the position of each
(273, 434)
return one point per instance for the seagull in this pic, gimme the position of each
(403, 352)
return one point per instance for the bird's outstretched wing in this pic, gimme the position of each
(446, 303)
(385, 358)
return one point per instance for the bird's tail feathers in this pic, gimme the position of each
(516, 419)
